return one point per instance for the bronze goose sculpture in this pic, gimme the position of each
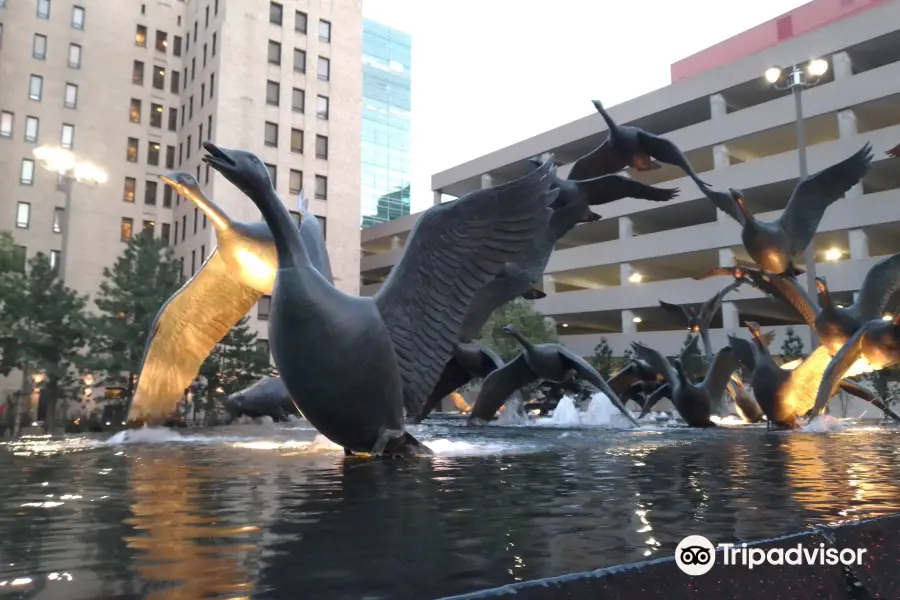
(698, 321)
(239, 272)
(627, 146)
(773, 245)
(400, 340)
(894, 152)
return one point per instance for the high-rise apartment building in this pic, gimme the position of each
(134, 88)
(385, 188)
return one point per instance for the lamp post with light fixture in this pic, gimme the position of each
(71, 170)
(796, 79)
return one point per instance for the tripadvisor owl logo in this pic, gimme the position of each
(695, 555)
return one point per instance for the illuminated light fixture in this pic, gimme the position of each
(833, 254)
(817, 67)
(565, 324)
(637, 319)
(773, 74)
(887, 317)
(635, 277)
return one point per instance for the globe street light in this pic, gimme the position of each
(70, 169)
(796, 78)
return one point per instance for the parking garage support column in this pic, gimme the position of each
(847, 128)
(717, 106)
(629, 327)
(395, 242)
(626, 228)
(625, 272)
(730, 316)
(487, 181)
(859, 244)
(437, 197)
(841, 65)
(548, 285)
(721, 158)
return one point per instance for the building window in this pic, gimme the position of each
(6, 124)
(273, 91)
(300, 60)
(167, 197)
(126, 229)
(67, 137)
(19, 255)
(148, 227)
(321, 187)
(134, 112)
(264, 308)
(274, 52)
(159, 78)
(173, 119)
(137, 73)
(156, 115)
(23, 215)
(188, 145)
(209, 127)
(26, 175)
(43, 9)
(36, 87)
(176, 45)
(58, 215)
(153, 154)
(212, 84)
(298, 100)
(191, 107)
(71, 99)
(75, 56)
(175, 82)
(39, 46)
(300, 22)
(170, 158)
(54, 259)
(322, 107)
(128, 194)
(140, 36)
(193, 69)
(206, 22)
(295, 182)
(262, 345)
(214, 40)
(165, 231)
(276, 13)
(321, 147)
(183, 227)
(77, 17)
(196, 214)
(195, 32)
(273, 174)
(150, 193)
(193, 262)
(32, 125)
(324, 31)
(162, 41)
(297, 141)
(323, 221)
(131, 154)
(175, 237)
(181, 268)
(324, 69)
(202, 253)
(271, 137)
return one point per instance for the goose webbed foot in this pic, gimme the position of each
(397, 443)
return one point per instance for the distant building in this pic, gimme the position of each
(384, 189)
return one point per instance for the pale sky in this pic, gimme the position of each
(489, 73)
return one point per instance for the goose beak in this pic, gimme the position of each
(820, 285)
(217, 157)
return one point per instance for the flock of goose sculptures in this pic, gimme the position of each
(359, 368)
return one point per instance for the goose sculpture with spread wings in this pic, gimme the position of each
(698, 321)
(353, 364)
(693, 402)
(774, 245)
(547, 362)
(627, 146)
(239, 272)
(894, 152)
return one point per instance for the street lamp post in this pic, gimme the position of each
(71, 170)
(796, 79)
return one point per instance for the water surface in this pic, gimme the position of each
(256, 511)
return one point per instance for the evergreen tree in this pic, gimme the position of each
(236, 363)
(792, 348)
(142, 279)
(49, 328)
(602, 359)
(531, 323)
(9, 268)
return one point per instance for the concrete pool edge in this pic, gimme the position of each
(878, 575)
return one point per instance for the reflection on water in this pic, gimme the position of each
(266, 513)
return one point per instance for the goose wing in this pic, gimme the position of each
(589, 374)
(817, 192)
(185, 331)
(453, 377)
(850, 352)
(805, 380)
(609, 188)
(500, 385)
(789, 290)
(715, 272)
(864, 394)
(881, 283)
(657, 362)
(667, 152)
(600, 161)
(677, 311)
(663, 390)
(711, 306)
(313, 235)
(453, 251)
(894, 152)
(724, 364)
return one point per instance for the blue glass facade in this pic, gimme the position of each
(385, 124)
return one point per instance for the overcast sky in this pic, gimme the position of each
(489, 73)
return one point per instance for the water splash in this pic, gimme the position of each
(514, 414)
(599, 412)
(823, 424)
